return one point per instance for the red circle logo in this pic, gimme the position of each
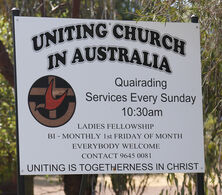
(52, 101)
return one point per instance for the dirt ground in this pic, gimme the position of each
(52, 185)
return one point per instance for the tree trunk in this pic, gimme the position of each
(43, 8)
(79, 184)
(6, 68)
(75, 8)
(72, 184)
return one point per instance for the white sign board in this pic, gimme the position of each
(100, 96)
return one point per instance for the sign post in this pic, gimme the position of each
(21, 183)
(200, 176)
(108, 97)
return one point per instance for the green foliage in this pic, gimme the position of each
(6, 34)
(7, 131)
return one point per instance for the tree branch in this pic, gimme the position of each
(61, 5)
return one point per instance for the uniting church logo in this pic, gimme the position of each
(52, 101)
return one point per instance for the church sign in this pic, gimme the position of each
(102, 96)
